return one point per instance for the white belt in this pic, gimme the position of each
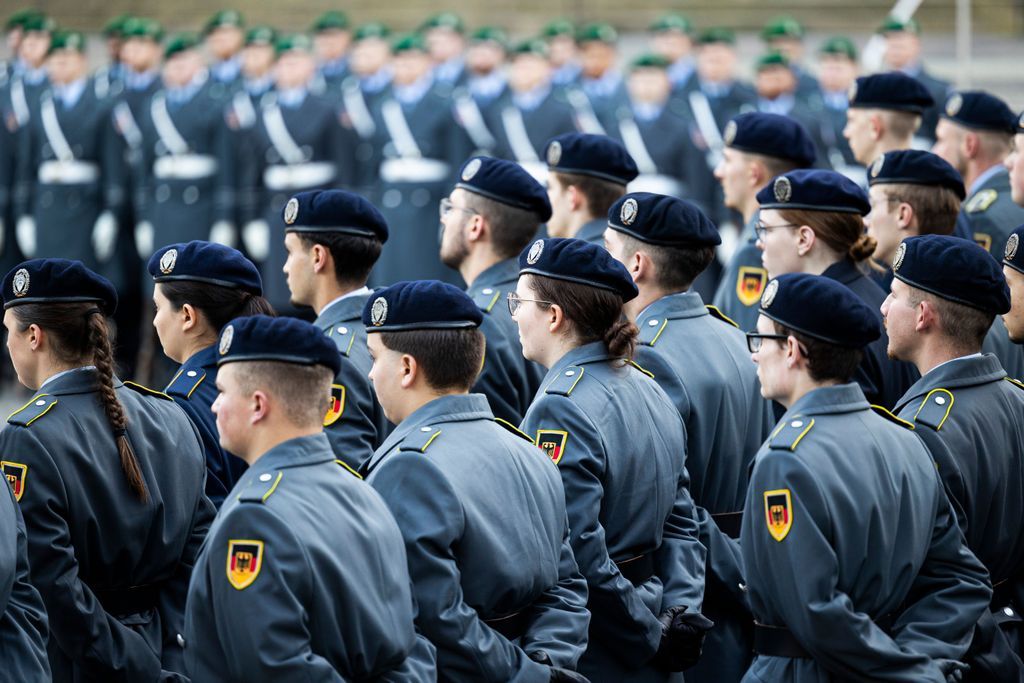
(297, 176)
(414, 170)
(658, 184)
(184, 166)
(68, 172)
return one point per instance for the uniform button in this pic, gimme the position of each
(743, 587)
(570, 373)
(488, 291)
(343, 330)
(796, 423)
(41, 402)
(940, 400)
(265, 477)
(1007, 611)
(652, 323)
(191, 373)
(425, 429)
(181, 640)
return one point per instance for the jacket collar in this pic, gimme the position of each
(672, 307)
(962, 372)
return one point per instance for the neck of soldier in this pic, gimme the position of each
(194, 345)
(329, 289)
(268, 436)
(977, 166)
(751, 205)
(578, 219)
(415, 398)
(890, 143)
(647, 296)
(935, 349)
(481, 256)
(49, 366)
(802, 385)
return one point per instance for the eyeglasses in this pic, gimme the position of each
(446, 207)
(755, 339)
(760, 229)
(514, 303)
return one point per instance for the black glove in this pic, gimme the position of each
(557, 675)
(682, 639)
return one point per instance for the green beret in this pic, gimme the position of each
(649, 61)
(841, 46)
(180, 42)
(20, 18)
(261, 35)
(408, 42)
(490, 34)
(771, 60)
(293, 41)
(894, 25)
(448, 20)
(672, 22)
(718, 34)
(115, 27)
(597, 33)
(225, 18)
(38, 22)
(374, 29)
(64, 39)
(782, 27)
(558, 27)
(533, 46)
(330, 21)
(141, 27)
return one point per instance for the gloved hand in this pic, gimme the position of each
(104, 236)
(223, 232)
(144, 234)
(256, 235)
(557, 675)
(25, 233)
(682, 639)
(953, 669)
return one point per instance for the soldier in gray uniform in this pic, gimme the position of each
(109, 477)
(701, 361)
(560, 36)
(884, 113)
(777, 85)
(298, 145)
(332, 239)
(586, 175)
(975, 135)
(758, 147)
(854, 564)
(620, 446)
(303, 574)
(903, 54)
(970, 415)
(673, 39)
(600, 81)
(444, 38)
(785, 36)
(837, 69)
(331, 40)
(497, 587)
(493, 212)
(423, 146)
(224, 35)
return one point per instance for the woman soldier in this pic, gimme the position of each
(109, 476)
(620, 447)
(812, 221)
(200, 287)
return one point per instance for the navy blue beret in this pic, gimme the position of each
(592, 155)
(980, 110)
(506, 182)
(285, 340)
(207, 262)
(915, 167)
(822, 308)
(662, 220)
(58, 281)
(420, 305)
(892, 90)
(954, 269)
(1019, 128)
(577, 261)
(772, 135)
(1013, 255)
(814, 190)
(334, 211)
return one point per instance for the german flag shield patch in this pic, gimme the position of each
(552, 442)
(778, 510)
(16, 474)
(245, 560)
(336, 406)
(750, 284)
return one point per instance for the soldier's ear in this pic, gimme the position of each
(319, 257)
(189, 317)
(409, 369)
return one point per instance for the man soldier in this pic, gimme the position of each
(943, 299)
(785, 35)
(333, 238)
(673, 40)
(600, 81)
(560, 37)
(975, 135)
(493, 212)
(884, 113)
(903, 54)
(444, 38)
(837, 71)
(224, 35)
(777, 84)
(303, 546)
(481, 509)
(331, 41)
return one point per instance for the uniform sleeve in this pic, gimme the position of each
(432, 522)
(100, 645)
(265, 625)
(797, 577)
(353, 435)
(219, 478)
(949, 471)
(560, 625)
(724, 559)
(619, 615)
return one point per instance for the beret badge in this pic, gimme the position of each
(291, 210)
(769, 294)
(168, 261)
(225, 339)
(629, 211)
(554, 153)
(783, 189)
(730, 133)
(876, 167)
(535, 252)
(1011, 247)
(471, 170)
(20, 283)
(901, 251)
(953, 104)
(379, 311)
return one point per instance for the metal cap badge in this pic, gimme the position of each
(291, 210)
(554, 153)
(20, 283)
(379, 311)
(471, 169)
(954, 103)
(629, 211)
(901, 251)
(168, 260)
(769, 294)
(225, 339)
(1011, 247)
(783, 189)
(535, 252)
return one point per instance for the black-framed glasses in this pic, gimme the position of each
(514, 302)
(754, 340)
(761, 229)
(445, 207)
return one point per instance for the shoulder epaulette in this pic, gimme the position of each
(639, 367)
(33, 410)
(420, 440)
(343, 337)
(512, 428)
(981, 201)
(345, 466)
(788, 434)
(185, 382)
(935, 408)
(487, 298)
(1015, 382)
(261, 490)
(566, 381)
(651, 330)
(891, 417)
(146, 390)
(716, 312)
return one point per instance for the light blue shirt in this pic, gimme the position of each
(69, 94)
(531, 99)
(414, 92)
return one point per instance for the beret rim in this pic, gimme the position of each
(1016, 266)
(205, 280)
(56, 300)
(279, 357)
(815, 335)
(1011, 129)
(945, 296)
(500, 198)
(916, 181)
(753, 150)
(589, 172)
(424, 325)
(811, 207)
(911, 108)
(577, 280)
(344, 229)
(662, 243)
